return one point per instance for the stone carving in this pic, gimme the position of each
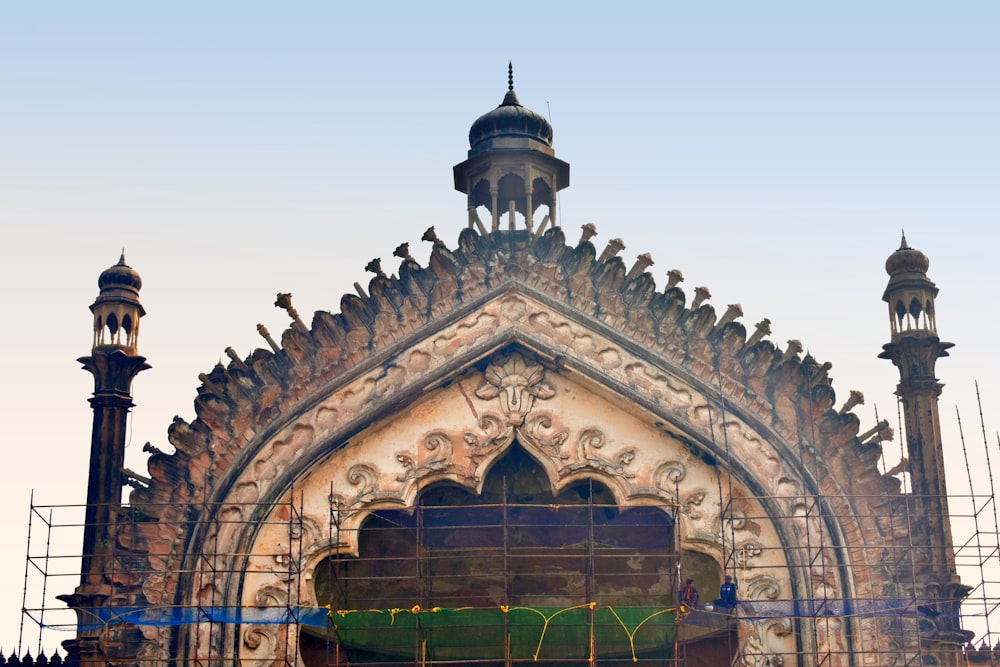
(518, 382)
(366, 477)
(497, 433)
(354, 363)
(668, 474)
(758, 649)
(691, 502)
(763, 587)
(409, 466)
(440, 444)
(587, 444)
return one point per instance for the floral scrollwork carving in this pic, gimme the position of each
(271, 596)
(588, 443)
(691, 503)
(758, 649)
(668, 474)
(518, 382)
(409, 464)
(551, 444)
(763, 588)
(590, 439)
(365, 477)
(260, 638)
(440, 442)
(623, 459)
(495, 434)
(441, 445)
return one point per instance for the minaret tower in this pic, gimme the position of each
(511, 166)
(915, 349)
(114, 362)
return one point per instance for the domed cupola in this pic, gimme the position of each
(511, 166)
(117, 309)
(906, 260)
(910, 293)
(121, 279)
(510, 125)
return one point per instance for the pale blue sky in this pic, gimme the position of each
(771, 151)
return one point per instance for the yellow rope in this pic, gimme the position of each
(545, 625)
(631, 635)
(506, 609)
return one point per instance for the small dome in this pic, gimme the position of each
(121, 276)
(510, 119)
(906, 260)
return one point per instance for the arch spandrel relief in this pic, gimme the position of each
(454, 433)
(513, 316)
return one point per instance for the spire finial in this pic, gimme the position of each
(902, 243)
(121, 260)
(510, 75)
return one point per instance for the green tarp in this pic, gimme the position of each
(530, 633)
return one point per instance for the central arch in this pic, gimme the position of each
(578, 433)
(514, 546)
(514, 339)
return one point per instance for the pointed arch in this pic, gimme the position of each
(385, 412)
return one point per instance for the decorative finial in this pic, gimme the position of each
(431, 236)
(403, 251)
(510, 75)
(902, 244)
(763, 328)
(284, 301)
(121, 260)
(701, 294)
(375, 266)
(674, 276)
(855, 398)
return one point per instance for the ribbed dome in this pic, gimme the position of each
(120, 276)
(510, 119)
(906, 260)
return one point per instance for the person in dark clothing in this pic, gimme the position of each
(688, 596)
(727, 594)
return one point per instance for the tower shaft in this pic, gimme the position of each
(930, 576)
(114, 362)
(918, 391)
(113, 372)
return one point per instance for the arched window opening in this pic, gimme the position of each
(98, 330)
(127, 328)
(512, 199)
(480, 195)
(113, 328)
(541, 193)
(915, 310)
(900, 314)
(511, 186)
(481, 565)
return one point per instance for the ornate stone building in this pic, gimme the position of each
(518, 453)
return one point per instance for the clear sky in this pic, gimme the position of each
(771, 151)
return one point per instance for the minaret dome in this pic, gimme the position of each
(910, 293)
(117, 310)
(511, 167)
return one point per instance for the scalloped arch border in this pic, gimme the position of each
(253, 401)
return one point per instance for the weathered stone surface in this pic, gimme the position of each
(435, 373)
